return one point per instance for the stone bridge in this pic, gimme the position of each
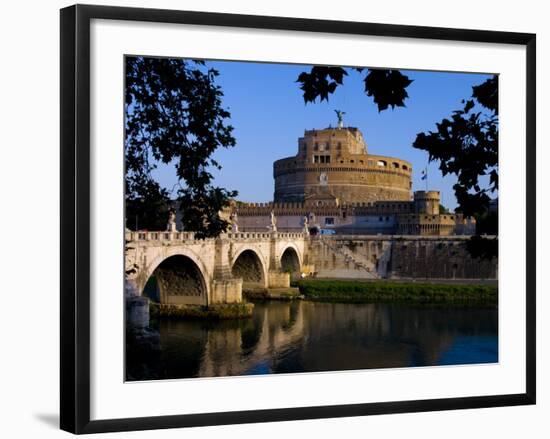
(179, 269)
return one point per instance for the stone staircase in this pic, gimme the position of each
(347, 263)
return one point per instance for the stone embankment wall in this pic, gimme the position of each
(392, 257)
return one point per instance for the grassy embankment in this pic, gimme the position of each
(357, 291)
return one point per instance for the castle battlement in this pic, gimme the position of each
(337, 158)
(334, 183)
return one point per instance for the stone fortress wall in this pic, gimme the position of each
(337, 157)
(418, 217)
(397, 257)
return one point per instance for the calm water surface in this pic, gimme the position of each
(283, 337)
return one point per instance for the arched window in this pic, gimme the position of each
(381, 163)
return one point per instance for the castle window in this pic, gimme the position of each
(395, 165)
(339, 145)
(352, 161)
(329, 221)
(361, 161)
(380, 218)
(315, 159)
(381, 163)
(316, 147)
(405, 167)
(387, 218)
(341, 161)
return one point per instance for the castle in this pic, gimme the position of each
(333, 185)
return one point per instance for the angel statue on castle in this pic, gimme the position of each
(340, 116)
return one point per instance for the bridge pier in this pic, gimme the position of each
(226, 291)
(277, 279)
(137, 306)
(274, 261)
(225, 288)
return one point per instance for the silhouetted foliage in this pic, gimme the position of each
(466, 145)
(443, 209)
(482, 247)
(487, 94)
(386, 87)
(487, 224)
(174, 115)
(146, 202)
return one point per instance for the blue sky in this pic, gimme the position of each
(269, 114)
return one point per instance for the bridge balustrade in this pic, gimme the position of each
(160, 236)
(190, 236)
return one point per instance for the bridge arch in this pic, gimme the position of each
(181, 278)
(290, 261)
(249, 265)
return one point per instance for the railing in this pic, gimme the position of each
(159, 236)
(190, 236)
(263, 235)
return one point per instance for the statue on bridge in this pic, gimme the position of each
(273, 225)
(234, 222)
(171, 226)
(306, 225)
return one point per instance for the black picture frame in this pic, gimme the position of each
(75, 217)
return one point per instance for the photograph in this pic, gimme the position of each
(297, 218)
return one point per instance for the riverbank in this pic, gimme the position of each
(261, 294)
(359, 291)
(213, 312)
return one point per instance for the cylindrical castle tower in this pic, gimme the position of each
(427, 202)
(335, 161)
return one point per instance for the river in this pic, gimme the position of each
(303, 336)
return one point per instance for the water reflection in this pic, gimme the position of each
(284, 337)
